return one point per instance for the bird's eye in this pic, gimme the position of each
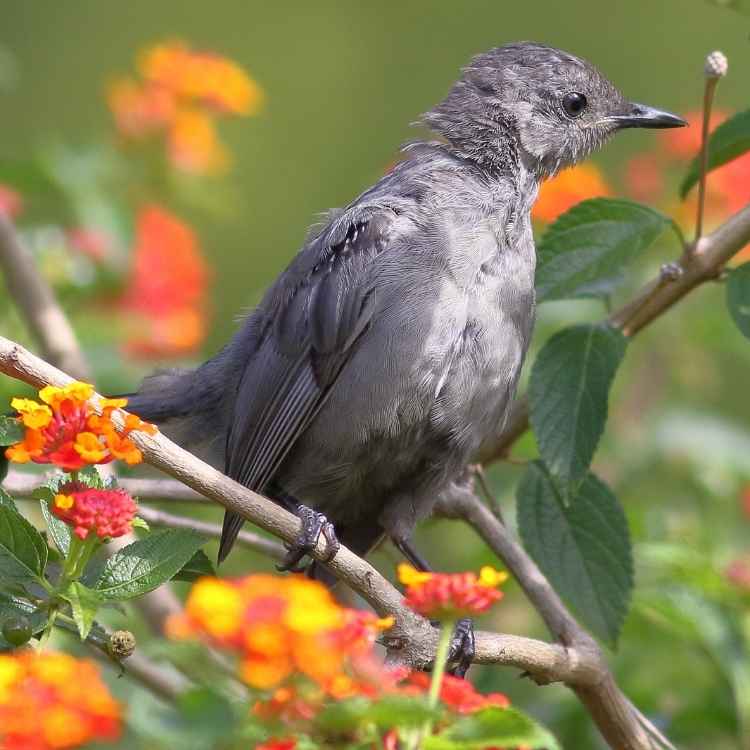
(574, 104)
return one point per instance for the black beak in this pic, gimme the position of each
(642, 116)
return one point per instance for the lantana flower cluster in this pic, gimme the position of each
(108, 513)
(279, 627)
(53, 701)
(451, 596)
(178, 95)
(65, 430)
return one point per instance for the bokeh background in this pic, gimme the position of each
(337, 86)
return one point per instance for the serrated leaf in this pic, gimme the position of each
(582, 544)
(196, 567)
(90, 476)
(493, 727)
(7, 501)
(11, 430)
(568, 395)
(84, 604)
(738, 297)
(140, 523)
(23, 551)
(730, 140)
(585, 252)
(143, 565)
(58, 530)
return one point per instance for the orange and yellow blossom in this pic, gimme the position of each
(564, 190)
(53, 701)
(65, 430)
(450, 596)
(278, 626)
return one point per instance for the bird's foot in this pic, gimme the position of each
(313, 525)
(462, 648)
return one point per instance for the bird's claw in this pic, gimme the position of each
(462, 648)
(313, 525)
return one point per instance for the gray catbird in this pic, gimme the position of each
(390, 348)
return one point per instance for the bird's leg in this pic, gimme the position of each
(313, 525)
(463, 646)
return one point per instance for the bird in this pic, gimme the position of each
(389, 350)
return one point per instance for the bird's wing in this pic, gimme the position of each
(314, 315)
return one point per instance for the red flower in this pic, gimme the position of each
(108, 513)
(459, 694)
(567, 188)
(11, 203)
(166, 295)
(277, 744)
(445, 596)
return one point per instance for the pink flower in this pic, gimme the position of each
(108, 513)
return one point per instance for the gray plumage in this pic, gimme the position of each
(390, 348)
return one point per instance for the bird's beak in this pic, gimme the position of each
(643, 116)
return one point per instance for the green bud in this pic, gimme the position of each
(17, 630)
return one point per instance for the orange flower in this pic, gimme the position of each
(52, 701)
(201, 77)
(166, 296)
(445, 596)
(65, 431)
(11, 203)
(567, 188)
(194, 145)
(278, 627)
(684, 143)
(181, 94)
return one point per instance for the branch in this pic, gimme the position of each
(413, 638)
(699, 263)
(621, 724)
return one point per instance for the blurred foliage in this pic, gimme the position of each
(342, 83)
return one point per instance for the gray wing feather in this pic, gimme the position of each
(314, 314)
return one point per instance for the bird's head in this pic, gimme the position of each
(538, 104)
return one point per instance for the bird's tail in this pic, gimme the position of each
(232, 525)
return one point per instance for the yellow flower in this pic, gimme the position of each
(64, 501)
(33, 415)
(88, 447)
(311, 608)
(264, 673)
(409, 575)
(216, 605)
(76, 391)
(488, 576)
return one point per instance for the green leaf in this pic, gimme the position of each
(568, 394)
(586, 251)
(23, 551)
(11, 430)
(738, 297)
(90, 476)
(196, 567)
(58, 530)
(140, 523)
(389, 711)
(493, 727)
(7, 501)
(582, 544)
(730, 140)
(4, 466)
(143, 565)
(84, 603)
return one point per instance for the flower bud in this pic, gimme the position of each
(716, 65)
(16, 630)
(121, 644)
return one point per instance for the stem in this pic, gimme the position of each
(708, 99)
(438, 671)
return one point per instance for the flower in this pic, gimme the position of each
(108, 513)
(166, 296)
(279, 627)
(64, 430)
(458, 694)
(685, 143)
(202, 77)
(180, 94)
(277, 744)
(11, 203)
(567, 188)
(450, 596)
(51, 701)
